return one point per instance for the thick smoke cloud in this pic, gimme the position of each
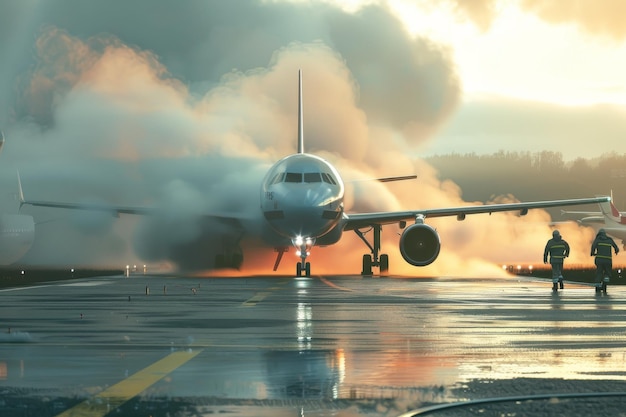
(199, 42)
(184, 108)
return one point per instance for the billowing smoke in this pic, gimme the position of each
(188, 120)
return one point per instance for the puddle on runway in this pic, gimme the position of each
(399, 339)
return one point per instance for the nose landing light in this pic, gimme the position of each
(303, 249)
(303, 245)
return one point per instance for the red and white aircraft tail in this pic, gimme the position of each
(611, 213)
(614, 221)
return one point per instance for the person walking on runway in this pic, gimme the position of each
(558, 249)
(601, 249)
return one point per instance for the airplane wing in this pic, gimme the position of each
(116, 210)
(593, 216)
(582, 217)
(581, 213)
(361, 220)
(386, 179)
(232, 221)
(352, 220)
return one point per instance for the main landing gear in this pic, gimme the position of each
(374, 260)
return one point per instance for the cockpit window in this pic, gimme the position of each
(328, 178)
(308, 177)
(278, 178)
(312, 177)
(293, 177)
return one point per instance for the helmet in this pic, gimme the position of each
(601, 232)
(556, 233)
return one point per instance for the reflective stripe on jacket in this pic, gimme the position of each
(557, 248)
(601, 247)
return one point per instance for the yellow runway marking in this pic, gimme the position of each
(116, 395)
(335, 286)
(256, 298)
(260, 296)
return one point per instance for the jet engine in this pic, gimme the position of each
(419, 244)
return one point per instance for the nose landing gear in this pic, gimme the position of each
(303, 249)
(303, 267)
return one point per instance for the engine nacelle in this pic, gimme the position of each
(420, 245)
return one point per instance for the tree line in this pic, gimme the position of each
(534, 176)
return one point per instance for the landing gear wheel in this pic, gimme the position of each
(384, 265)
(306, 268)
(367, 265)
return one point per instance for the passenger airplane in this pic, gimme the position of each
(302, 204)
(17, 232)
(608, 218)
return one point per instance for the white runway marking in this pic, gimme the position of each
(74, 284)
(25, 288)
(87, 284)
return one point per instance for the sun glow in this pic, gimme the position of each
(522, 56)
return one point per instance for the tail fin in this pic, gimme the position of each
(300, 129)
(611, 212)
(20, 190)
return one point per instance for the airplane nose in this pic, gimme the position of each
(308, 212)
(310, 198)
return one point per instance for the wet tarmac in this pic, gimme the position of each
(283, 346)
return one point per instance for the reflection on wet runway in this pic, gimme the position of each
(338, 342)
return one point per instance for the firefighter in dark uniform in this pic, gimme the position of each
(558, 249)
(601, 249)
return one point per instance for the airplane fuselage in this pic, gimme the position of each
(302, 196)
(17, 233)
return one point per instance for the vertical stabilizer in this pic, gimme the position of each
(611, 212)
(20, 191)
(300, 131)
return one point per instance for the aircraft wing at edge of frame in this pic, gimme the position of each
(359, 220)
(115, 210)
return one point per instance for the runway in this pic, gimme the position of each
(320, 346)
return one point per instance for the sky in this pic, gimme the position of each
(535, 75)
(185, 104)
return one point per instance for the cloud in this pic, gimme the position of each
(603, 18)
(481, 13)
(598, 18)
